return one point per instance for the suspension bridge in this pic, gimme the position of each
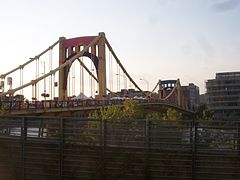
(78, 73)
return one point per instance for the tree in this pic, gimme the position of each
(119, 122)
(2, 111)
(204, 114)
(153, 116)
(117, 113)
(172, 114)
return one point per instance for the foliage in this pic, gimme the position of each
(170, 118)
(117, 113)
(2, 111)
(172, 114)
(153, 116)
(119, 119)
(204, 114)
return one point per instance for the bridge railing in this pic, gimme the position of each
(10, 106)
(23, 105)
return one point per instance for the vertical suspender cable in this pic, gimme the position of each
(110, 72)
(91, 79)
(53, 86)
(73, 79)
(50, 68)
(82, 77)
(50, 92)
(69, 83)
(37, 85)
(118, 78)
(22, 80)
(32, 92)
(90, 84)
(125, 80)
(34, 98)
(35, 89)
(34, 95)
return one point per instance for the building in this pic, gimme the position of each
(224, 95)
(203, 99)
(190, 97)
(129, 93)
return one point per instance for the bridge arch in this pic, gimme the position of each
(69, 47)
(91, 56)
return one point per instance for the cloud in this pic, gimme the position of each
(227, 5)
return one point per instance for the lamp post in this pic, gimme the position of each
(44, 94)
(145, 82)
(44, 78)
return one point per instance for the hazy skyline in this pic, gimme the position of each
(155, 39)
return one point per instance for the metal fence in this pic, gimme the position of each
(73, 148)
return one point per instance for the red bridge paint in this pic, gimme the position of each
(78, 41)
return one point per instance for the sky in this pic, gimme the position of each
(154, 39)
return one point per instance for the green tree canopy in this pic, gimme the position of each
(172, 114)
(153, 116)
(129, 110)
(203, 113)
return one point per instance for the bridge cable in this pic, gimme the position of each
(92, 82)
(81, 77)
(50, 68)
(110, 71)
(124, 70)
(94, 77)
(173, 90)
(37, 85)
(125, 81)
(118, 77)
(153, 89)
(69, 83)
(53, 71)
(73, 79)
(53, 85)
(91, 79)
(21, 80)
(28, 62)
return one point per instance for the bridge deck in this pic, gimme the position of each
(21, 108)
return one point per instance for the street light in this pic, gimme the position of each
(44, 78)
(145, 82)
(44, 94)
